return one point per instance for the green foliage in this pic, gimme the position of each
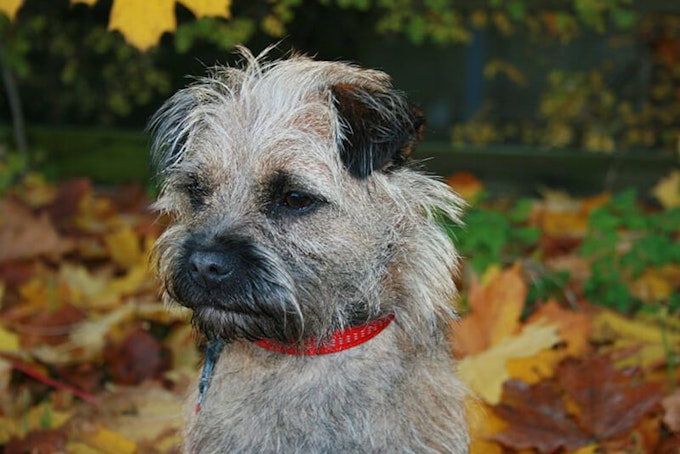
(12, 167)
(623, 241)
(225, 35)
(489, 236)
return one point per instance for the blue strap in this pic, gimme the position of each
(212, 353)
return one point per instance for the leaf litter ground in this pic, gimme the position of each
(569, 336)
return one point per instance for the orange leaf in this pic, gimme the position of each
(574, 330)
(573, 327)
(466, 185)
(496, 308)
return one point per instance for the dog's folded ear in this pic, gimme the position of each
(378, 128)
(170, 127)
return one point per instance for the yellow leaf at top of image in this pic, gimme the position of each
(87, 2)
(10, 7)
(143, 23)
(202, 8)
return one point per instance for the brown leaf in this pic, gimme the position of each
(25, 236)
(137, 358)
(68, 199)
(37, 442)
(537, 418)
(611, 402)
(671, 407)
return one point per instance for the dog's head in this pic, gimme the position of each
(294, 210)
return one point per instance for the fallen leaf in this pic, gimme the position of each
(136, 358)
(108, 442)
(485, 372)
(24, 235)
(652, 286)
(610, 402)
(537, 418)
(667, 190)
(39, 441)
(123, 245)
(647, 342)
(39, 417)
(141, 413)
(609, 326)
(671, 407)
(9, 341)
(495, 311)
(483, 424)
(466, 185)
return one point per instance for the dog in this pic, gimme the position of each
(311, 251)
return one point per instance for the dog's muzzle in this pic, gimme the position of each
(236, 288)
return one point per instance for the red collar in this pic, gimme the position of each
(337, 342)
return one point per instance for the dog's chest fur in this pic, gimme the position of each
(348, 402)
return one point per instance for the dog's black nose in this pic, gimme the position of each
(210, 268)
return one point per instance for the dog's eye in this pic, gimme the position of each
(298, 201)
(196, 191)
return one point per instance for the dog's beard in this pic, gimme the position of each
(257, 301)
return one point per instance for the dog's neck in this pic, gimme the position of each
(340, 340)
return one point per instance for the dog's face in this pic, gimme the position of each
(289, 201)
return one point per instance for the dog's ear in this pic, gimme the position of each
(170, 127)
(379, 129)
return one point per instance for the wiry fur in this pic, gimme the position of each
(227, 148)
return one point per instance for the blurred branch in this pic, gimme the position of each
(14, 99)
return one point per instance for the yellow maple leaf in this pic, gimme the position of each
(652, 286)
(109, 442)
(124, 247)
(9, 342)
(667, 191)
(574, 330)
(10, 7)
(646, 341)
(484, 423)
(202, 8)
(87, 2)
(486, 372)
(143, 22)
